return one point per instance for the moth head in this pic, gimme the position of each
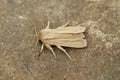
(40, 36)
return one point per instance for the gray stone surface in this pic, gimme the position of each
(99, 61)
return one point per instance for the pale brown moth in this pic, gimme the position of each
(71, 36)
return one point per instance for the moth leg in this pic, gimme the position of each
(50, 48)
(42, 47)
(64, 52)
(41, 50)
(64, 25)
(48, 25)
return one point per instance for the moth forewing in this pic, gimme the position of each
(63, 36)
(65, 30)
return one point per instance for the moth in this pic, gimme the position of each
(71, 36)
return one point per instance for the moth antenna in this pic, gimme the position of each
(59, 47)
(36, 36)
(64, 25)
(48, 25)
(50, 48)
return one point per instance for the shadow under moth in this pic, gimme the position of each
(70, 36)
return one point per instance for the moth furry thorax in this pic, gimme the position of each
(71, 36)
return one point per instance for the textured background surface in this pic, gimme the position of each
(99, 61)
